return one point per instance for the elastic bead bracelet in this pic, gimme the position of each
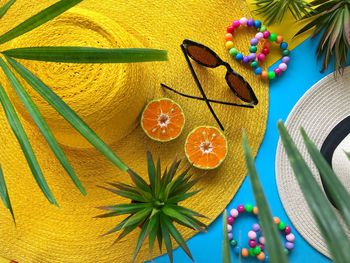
(253, 58)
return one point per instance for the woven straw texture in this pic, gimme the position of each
(110, 98)
(318, 111)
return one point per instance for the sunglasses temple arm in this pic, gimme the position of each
(200, 87)
(212, 101)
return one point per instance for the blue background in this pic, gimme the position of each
(303, 72)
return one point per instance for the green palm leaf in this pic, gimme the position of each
(88, 54)
(6, 7)
(66, 112)
(23, 140)
(226, 255)
(42, 125)
(336, 189)
(39, 19)
(142, 236)
(4, 194)
(268, 226)
(337, 241)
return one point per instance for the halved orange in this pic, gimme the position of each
(206, 147)
(163, 120)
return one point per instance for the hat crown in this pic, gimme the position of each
(102, 94)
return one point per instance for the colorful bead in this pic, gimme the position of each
(282, 225)
(262, 246)
(228, 37)
(285, 52)
(233, 243)
(230, 220)
(283, 66)
(287, 230)
(248, 208)
(266, 258)
(236, 24)
(253, 49)
(286, 59)
(276, 220)
(251, 252)
(289, 245)
(290, 237)
(273, 37)
(254, 41)
(256, 227)
(261, 256)
(239, 56)
(230, 236)
(245, 59)
(234, 212)
(265, 51)
(271, 75)
(229, 45)
(286, 250)
(230, 29)
(261, 57)
(267, 44)
(258, 71)
(251, 235)
(229, 228)
(252, 56)
(263, 28)
(255, 209)
(279, 39)
(259, 35)
(257, 250)
(243, 21)
(240, 208)
(262, 240)
(252, 243)
(284, 45)
(266, 34)
(257, 23)
(250, 22)
(254, 64)
(233, 51)
(278, 71)
(244, 252)
(264, 75)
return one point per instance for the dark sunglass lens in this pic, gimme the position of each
(241, 88)
(203, 56)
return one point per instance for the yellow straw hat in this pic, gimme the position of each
(110, 98)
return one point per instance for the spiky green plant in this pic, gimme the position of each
(331, 20)
(274, 10)
(55, 54)
(154, 207)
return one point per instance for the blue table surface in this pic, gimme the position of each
(302, 73)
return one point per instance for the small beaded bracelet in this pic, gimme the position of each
(256, 248)
(253, 58)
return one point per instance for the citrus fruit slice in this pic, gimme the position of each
(206, 147)
(163, 120)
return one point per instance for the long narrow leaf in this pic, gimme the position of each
(88, 54)
(268, 226)
(39, 19)
(226, 254)
(42, 125)
(335, 188)
(167, 239)
(337, 241)
(177, 236)
(23, 140)
(4, 194)
(6, 7)
(142, 236)
(151, 171)
(66, 112)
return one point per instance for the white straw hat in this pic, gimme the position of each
(324, 113)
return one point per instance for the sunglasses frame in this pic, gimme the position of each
(188, 43)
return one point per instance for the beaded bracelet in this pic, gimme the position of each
(253, 58)
(256, 248)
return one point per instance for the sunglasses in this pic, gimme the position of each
(208, 58)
